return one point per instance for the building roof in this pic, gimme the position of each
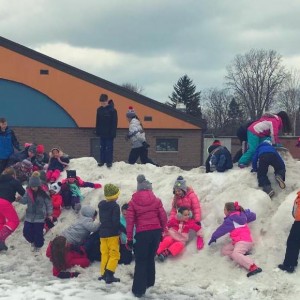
(18, 48)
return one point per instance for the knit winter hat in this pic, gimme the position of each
(40, 149)
(55, 187)
(130, 113)
(180, 183)
(32, 148)
(142, 183)
(34, 180)
(111, 192)
(103, 98)
(26, 163)
(71, 173)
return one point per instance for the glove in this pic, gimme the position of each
(212, 240)
(129, 245)
(198, 223)
(74, 274)
(127, 137)
(253, 170)
(200, 242)
(97, 186)
(145, 145)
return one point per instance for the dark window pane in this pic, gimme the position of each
(166, 144)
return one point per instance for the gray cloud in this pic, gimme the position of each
(153, 43)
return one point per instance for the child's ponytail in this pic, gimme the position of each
(233, 206)
(58, 252)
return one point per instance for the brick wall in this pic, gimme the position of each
(78, 142)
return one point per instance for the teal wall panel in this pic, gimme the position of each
(22, 105)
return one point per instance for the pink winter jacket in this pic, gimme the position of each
(179, 230)
(146, 212)
(267, 125)
(191, 201)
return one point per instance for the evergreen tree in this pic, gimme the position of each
(185, 92)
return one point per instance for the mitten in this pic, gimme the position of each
(200, 242)
(97, 186)
(212, 240)
(74, 274)
(145, 145)
(129, 245)
(198, 223)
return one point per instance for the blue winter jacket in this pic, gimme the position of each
(8, 141)
(264, 147)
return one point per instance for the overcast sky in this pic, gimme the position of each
(152, 43)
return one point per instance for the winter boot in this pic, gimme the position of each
(100, 164)
(254, 269)
(268, 190)
(289, 269)
(162, 256)
(110, 278)
(103, 277)
(3, 247)
(280, 181)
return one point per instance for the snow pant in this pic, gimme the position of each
(175, 247)
(106, 150)
(126, 255)
(293, 246)
(33, 233)
(75, 203)
(52, 175)
(92, 247)
(8, 217)
(110, 253)
(145, 250)
(253, 142)
(141, 153)
(266, 160)
(237, 253)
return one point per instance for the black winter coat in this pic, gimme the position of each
(9, 186)
(107, 121)
(109, 216)
(219, 159)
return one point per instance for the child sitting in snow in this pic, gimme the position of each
(56, 199)
(177, 234)
(236, 223)
(70, 190)
(57, 163)
(41, 159)
(23, 170)
(265, 156)
(126, 254)
(293, 242)
(63, 258)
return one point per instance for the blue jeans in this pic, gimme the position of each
(106, 150)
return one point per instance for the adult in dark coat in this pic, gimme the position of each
(8, 142)
(106, 129)
(219, 158)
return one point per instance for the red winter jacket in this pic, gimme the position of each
(72, 259)
(146, 212)
(57, 203)
(189, 200)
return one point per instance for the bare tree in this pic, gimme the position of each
(289, 97)
(133, 87)
(256, 78)
(216, 110)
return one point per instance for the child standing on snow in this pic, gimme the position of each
(39, 207)
(57, 163)
(70, 190)
(293, 242)
(236, 223)
(109, 215)
(178, 234)
(63, 258)
(265, 156)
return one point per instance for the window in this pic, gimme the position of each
(44, 72)
(148, 118)
(166, 144)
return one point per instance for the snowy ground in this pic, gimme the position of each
(193, 275)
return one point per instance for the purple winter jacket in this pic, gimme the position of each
(236, 224)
